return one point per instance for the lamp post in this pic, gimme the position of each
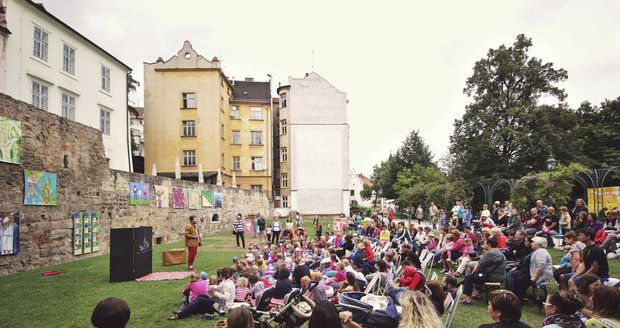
(550, 166)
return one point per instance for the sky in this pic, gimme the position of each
(403, 64)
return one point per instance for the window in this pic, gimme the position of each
(68, 59)
(285, 201)
(104, 121)
(39, 95)
(105, 78)
(40, 43)
(283, 127)
(257, 138)
(68, 106)
(189, 158)
(189, 100)
(236, 137)
(234, 112)
(283, 101)
(256, 113)
(283, 154)
(189, 128)
(257, 187)
(352, 193)
(284, 180)
(257, 163)
(236, 163)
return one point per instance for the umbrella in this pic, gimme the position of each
(154, 170)
(177, 169)
(201, 179)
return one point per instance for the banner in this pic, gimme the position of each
(340, 224)
(608, 197)
(248, 226)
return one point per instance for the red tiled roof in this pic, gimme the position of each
(365, 180)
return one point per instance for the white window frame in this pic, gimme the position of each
(283, 127)
(283, 100)
(40, 43)
(236, 163)
(104, 120)
(284, 180)
(189, 128)
(236, 137)
(40, 95)
(189, 157)
(256, 163)
(188, 100)
(67, 102)
(283, 154)
(106, 75)
(235, 113)
(256, 113)
(256, 137)
(284, 201)
(68, 59)
(256, 187)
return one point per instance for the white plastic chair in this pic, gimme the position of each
(452, 310)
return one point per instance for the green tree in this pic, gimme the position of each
(599, 130)
(132, 86)
(414, 151)
(494, 135)
(384, 176)
(421, 185)
(366, 192)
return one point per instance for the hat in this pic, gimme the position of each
(203, 275)
(497, 202)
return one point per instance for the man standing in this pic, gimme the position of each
(433, 211)
(192, 241)
(238, 230)
(261, 222)
(419, 214)
(299, 220)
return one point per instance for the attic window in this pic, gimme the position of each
(188, 55)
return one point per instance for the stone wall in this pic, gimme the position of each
(85, 183)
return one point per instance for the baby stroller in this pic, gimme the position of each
(365, 315)
(287, 315)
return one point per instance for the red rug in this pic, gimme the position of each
(159, 276)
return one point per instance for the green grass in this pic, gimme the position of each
(67, 300)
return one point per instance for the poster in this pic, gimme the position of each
(207, 198)
(218, 201)
(139, 193)
(88, 244)
(162, 196)
(178, 197)
(9, 233)
(10, 141)
(78, 234)
(40, 188)
(95, 218)
(194, 199)
(340, 223)
(608, 197)
(248, 226)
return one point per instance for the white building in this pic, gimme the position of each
(314, 173)
(356, 185)
(47, 63)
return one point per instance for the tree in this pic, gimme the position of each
(414, 151)
(384, 177)
(366, 192)
(421, 185)
(493, 137)
(598, 129)
(132, 86)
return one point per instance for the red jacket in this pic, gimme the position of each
(368, 254)
(413, 278)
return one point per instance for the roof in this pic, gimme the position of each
(251, 91)
(41, 9)
(365, 180)
(140, 111)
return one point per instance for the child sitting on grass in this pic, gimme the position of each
(242, 292)
(224, 293)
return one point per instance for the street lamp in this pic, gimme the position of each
(550, 166)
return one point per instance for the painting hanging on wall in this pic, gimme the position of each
(88, 233)
(162, 196)
(178, 197)
(10, 141)
(94, 226)
(194, 198)
(78, 234)
(218, 200)
(207, 198)
(9, 233)
(85, 232)
(139, 193)
(40, 188)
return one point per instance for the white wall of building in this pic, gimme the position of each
(20, 68)
(356, 185)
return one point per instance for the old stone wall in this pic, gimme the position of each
(75, 153)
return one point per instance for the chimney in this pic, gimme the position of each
(249, 79)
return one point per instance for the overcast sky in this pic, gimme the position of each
(403, 64)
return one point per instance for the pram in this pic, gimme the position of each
(365, 315)
(286, 315)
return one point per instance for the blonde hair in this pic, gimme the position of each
(242, 282)
(317, 276)
(496, 231)
(418, 311)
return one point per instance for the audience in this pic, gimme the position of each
(560, 308)
(418, 311)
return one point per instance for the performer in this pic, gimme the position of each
(238, 230)
(192, 240)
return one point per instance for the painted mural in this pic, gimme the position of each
(10, 141)
(40, 188)
(139, 193)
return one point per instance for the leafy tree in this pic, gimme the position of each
(598, 129)
(421, 185)
(366, 192)
(384, 177)
(132, 86)
(414, 151)
(494, 135)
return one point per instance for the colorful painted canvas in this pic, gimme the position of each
(10, 141)
(194, 199)
(9, 233)
(95, 217)
(88, 241)
(162, 196)
(40, 188)
(218, 200)
(207, 198)
(139, 193)
(178, 197)
(248, 225)
(78, 234)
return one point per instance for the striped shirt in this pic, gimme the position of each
(241, 294)
(238, 226)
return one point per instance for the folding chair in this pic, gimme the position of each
(452, 310)
(432, 262)
(434, 276)
(423, 253)
(372, 283)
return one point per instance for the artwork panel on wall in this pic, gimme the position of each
(87, 232)
(195, 198)
(10, 141)
(40, 188)
(95, 218)
(162, 196)
(207, 198)
(218, 200)
(78, 234)
(178, 197)
(9, 233)
(139, 193)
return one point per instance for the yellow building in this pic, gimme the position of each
(187, 116)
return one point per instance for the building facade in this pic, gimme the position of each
(357, 181)
(47, 63)
(314, 147)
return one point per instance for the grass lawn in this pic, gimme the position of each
(67, 300)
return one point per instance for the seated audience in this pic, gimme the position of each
(560, 308)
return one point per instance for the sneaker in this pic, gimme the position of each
(208, 316)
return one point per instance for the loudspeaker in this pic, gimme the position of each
(130, 253)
